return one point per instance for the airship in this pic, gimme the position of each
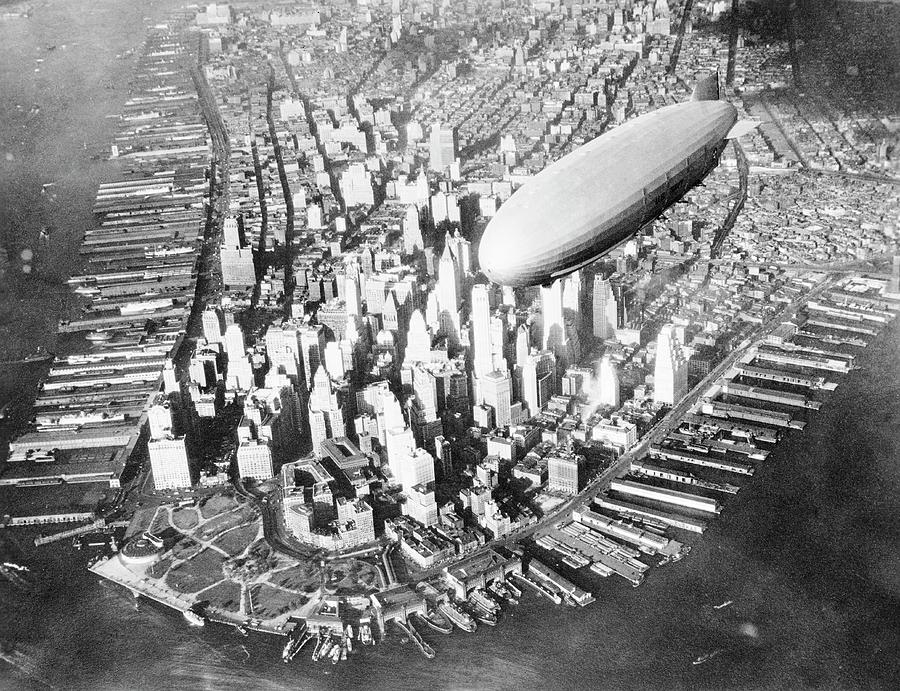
(583, 205)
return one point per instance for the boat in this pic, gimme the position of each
(241, 630)
(365, 634)
(724, 604)
(193, 618)
(706, 658)
(348, 637)
(344, 651)
(481, 599)
(502, 592)
(318, 649)
(515, 590)
(436, 621)
(481, 615)
(336, 653)
(458, 617)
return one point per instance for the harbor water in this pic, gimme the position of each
(808, 551)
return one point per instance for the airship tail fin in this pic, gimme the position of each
(707, 89)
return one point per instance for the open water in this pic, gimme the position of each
(809, 550)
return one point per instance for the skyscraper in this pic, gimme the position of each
(169, 463)
(563, 471)
(496, 391)
(418, 340)
(605, 308)
(481, 331)
(448, 297)
(442, 140)
(254, 459)
(212, 325)
(554, 320)
(670, 371)
(608, 384)
(326, 412)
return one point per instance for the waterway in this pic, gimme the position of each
(808, 550)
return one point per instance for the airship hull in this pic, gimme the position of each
(580, 207)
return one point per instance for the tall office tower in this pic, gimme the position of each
(312, 346)
(159, 419)
(608, 383)
(572, 297)
(326, 412)
(420, 504)
(462, 253)
(509, 296)
(443, 146)
(211, 320)
(670, 371)
(412, 230)
(448, 297)
(399, 442)
(523, 345)
(496, 391)
(554, 321)
(425, 388)
(334, 360)
(414, 467)
(482, 362)
(240, 374)
(538, 380)
(170, 377)
(352, 296)
(234, 342)
(563, 471)
(418, 340)
(605, 309)
(443, 455)
(169, 463)
(254, 460)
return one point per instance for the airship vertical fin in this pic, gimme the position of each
(707, 89)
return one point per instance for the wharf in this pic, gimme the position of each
(693, 525)
(730, 410)
(651, 543)
(569, 589)
(801, 360)
(834, 340)
(866, 331)
(684, 456)
(665, 495)
(846, 312)
(760, 393)
(780, 376)
(643, 468)
(741, 429)
(704, 445)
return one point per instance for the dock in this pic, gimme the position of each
(760, 393)
(705, 461)
(741, 412)
(649, 470)
(693, 525)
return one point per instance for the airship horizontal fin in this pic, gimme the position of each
(741, 127)
(707, 89)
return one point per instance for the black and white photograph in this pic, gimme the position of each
(449, 345)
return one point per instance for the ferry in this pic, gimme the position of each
(193, 618)
(502, 593)
(481, 615)
(436, 621)
(458, 617)
(481, 599)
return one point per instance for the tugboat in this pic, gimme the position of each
(365, 634)
(193, 618)
(458, 617)
(502, 593)
(706, 658)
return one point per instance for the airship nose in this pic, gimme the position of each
(494, 257)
